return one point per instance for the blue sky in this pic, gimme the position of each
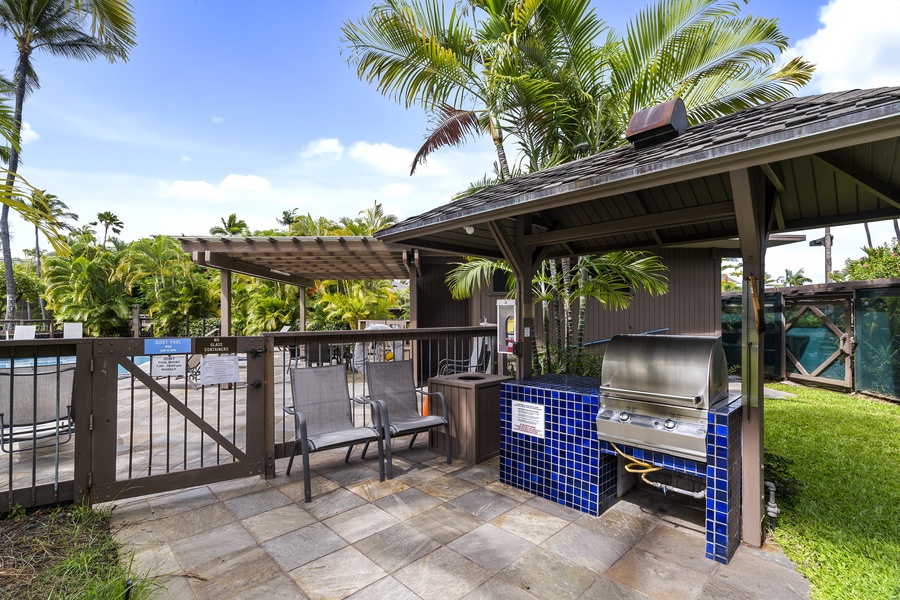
(224, 108)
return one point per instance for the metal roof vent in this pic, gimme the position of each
(657, 124)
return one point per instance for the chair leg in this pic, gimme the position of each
(291, 460)
(365, 449)
(387, 450)
(413, 440)
(380, 459)
(349, 450)
(447, 440)
(307, 486)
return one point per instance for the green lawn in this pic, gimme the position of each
(843, 530)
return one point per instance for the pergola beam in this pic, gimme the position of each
(219, 261)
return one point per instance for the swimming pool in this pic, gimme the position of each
(44, 361)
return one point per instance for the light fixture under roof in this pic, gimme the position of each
(469, 229)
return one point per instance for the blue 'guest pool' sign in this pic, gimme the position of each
(167, 346)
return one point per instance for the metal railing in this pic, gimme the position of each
(137, 431)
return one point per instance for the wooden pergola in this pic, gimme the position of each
(299, 261)
(786, 166)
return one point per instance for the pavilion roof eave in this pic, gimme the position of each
(815, 140)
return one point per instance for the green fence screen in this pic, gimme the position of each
(878, 341)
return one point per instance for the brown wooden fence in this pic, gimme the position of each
(143, 427)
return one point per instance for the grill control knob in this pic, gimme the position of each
(624, 416)
(670, 424)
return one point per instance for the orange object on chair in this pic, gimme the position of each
(425, 406)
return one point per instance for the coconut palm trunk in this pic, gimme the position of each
(21, 71)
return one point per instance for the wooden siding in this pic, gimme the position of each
(692, 306)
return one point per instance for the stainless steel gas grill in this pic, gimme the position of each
(656, 392)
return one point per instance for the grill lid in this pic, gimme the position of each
(685, 370)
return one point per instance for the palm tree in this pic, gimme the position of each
(287, 217)
(374, 219)
(109, 221)
(49, 209)
(57, 27)
(536, 69)
(421, 55)
(230, 227)
(611, 278)
(791, 279)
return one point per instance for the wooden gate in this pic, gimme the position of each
(149, 433)
(819, 340)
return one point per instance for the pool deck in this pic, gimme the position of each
(435, 531)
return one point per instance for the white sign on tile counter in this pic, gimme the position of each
(527, 418)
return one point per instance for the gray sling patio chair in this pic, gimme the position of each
(36, 405)
(393, 389)
(323, 417)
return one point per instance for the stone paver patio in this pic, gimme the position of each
(435, 531)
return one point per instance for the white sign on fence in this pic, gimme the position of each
(528, 418)
(168, 365)
(217, 369)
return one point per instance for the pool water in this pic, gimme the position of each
(65, 360)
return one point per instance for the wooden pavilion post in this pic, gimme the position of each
(225, 302)
(748, 192)
(520, 261)
(301, 322)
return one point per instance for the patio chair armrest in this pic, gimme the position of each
(440, 395)
(299, 421)
(377, 407)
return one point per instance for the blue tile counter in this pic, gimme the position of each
(566, 465)
(562, 460)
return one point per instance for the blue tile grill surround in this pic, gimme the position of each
(567, 466)
(723, 480)
(572, 467)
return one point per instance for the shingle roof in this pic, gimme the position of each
(751, 129)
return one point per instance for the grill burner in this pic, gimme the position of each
(657, 389)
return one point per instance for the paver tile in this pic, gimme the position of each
(337, 575)
(371, 489)
(407, 503)
(256, 502)
(332, 503)
(397, 546)
(234, 573)
(484, 504)
(498, 589)
(199, 549)
(441, 575)
(277, 521)
(491, 547)
(304, 545)
(743, 571)
(445, 487)
(656, 577)
(444, 523)
(529, 523)
(361, 522)
(387, 588)
(582, 546)
(547, 575)
(678, 546)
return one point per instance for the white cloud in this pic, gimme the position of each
(185, 159)
(29, 134)
(383, 157)
(326, 147)
(192, 190)
(217, 120)
(236, 185)
(396, 190)
(856, 47)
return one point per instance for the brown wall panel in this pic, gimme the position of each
(692, 306)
